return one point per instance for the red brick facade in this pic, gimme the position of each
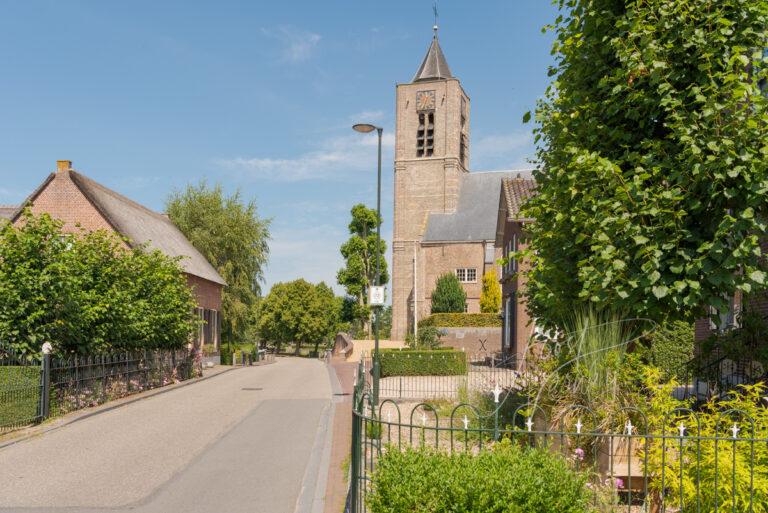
(517, 328)
(62, 199)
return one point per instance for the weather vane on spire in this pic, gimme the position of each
(434, 10)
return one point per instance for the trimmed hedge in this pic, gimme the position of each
(462, 320)
(672, 348)
(505, 478)
(437, 362)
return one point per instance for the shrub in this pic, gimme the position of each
(746, 460)
(446, 362)
(449, 295)
(490, 295)
(461, 320)
(429, 338)
(672, 348)
(88, 292)
(506, 478)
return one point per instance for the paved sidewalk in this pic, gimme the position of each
(338, 484)
(239, 442)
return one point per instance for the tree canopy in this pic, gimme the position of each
(654, 163)
(300, 312)
(359, 254)
(490, 295)
(229, 232)
(88, 292)
(449, 296)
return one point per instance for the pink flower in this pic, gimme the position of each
(619, 483)
(579, 454)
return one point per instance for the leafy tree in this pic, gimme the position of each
(490, 295)
(654, 164)
(88, 292)
(230, 234)
(449, 296)
(359, 254)
(299, 312)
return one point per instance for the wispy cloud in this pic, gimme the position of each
(336, 159)
(496, 151)
(297, 45)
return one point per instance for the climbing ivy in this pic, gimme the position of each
(654, 158)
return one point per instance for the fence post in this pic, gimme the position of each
(45, 383)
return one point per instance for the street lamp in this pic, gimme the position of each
(366, 128)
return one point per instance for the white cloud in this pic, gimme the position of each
(498, 151)
(336, 159)
(298, 45)
(310, 252)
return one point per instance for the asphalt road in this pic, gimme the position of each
(249, 440)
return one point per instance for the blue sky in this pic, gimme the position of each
(147, 96)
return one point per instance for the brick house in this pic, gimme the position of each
(81, 203)
(510, 236)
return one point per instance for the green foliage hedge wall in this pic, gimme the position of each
(462, 320)
(505, 479)
(439, 362)
(88, 292)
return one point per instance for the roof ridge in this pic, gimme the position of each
(92, 182)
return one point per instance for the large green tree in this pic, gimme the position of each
(359, 253)
(654, 163)
(88, 292)
(299, 312)
(449, 295)
(228, 231)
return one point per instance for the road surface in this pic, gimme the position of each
(249, 440)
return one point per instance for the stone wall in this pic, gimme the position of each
(469, 339)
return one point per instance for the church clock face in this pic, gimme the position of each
(425, 100)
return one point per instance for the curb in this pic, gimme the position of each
(110, 407)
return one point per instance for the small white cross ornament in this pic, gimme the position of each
(579, 425)
(681, 428)
(496, 394)
(465, 420)
(629, 427)
(735, 430)
(529, 423)
(423, 419)
(389, 416)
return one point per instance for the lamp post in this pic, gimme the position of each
(366, 128)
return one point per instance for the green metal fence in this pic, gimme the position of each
(669, 471)
(20, 390)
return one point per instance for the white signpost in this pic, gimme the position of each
(377, 296)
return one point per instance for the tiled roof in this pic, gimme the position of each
(434, 66)
(141, 225)
(516, 191)
(477, 211)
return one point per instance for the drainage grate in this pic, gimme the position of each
(251, 389)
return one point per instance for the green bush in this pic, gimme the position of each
(19, 394)
(435, 362)
(462, 320)
(505, 479)
(449, 296)
(429, 338)
(672, 348)
(87, 293)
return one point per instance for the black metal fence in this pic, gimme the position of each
(688, 464)
(485, 372)
(35, 388)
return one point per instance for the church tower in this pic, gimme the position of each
(431, 156)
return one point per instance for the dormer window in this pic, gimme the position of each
(425, 136)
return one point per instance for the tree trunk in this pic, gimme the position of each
(298, 348)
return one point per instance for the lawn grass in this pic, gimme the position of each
(19, 395)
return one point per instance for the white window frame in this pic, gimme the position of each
(462, 273)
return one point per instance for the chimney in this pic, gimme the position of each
(63, 165)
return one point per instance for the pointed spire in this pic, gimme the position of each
(434, 66)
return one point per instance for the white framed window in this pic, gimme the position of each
(467, 274)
